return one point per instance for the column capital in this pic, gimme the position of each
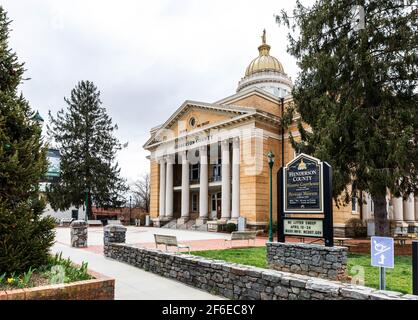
(203, 148)
(161, 160)
(169, 158)
(236, 142)
(225, 142)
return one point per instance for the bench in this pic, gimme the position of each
(94, 223)
(114, 222)
(242, 235)
(66, 221)
(169, 241)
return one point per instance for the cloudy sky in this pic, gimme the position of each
(146, 57)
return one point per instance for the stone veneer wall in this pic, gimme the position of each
(236, 281)
(79, 233)
(308, 259)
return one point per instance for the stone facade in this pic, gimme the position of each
(79, 233)
(308, 259)
(238, 282)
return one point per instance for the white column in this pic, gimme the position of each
(408, 208)
(203, 191)
(226, 181)
(235, 179)
(416, 209)
(162, 188)
(169, 187)
(397, 208)
(184, 186)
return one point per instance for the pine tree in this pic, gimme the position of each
(357, 89)
(84, 135)
(25, 237)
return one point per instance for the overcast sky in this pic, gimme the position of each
(146, 57)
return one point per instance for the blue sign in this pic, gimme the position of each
(382, 252)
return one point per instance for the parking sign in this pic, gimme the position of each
(382, 252)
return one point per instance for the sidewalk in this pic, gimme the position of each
(132, 283)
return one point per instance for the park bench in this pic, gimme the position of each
(95, 223)
(168, 241)
(66, 221)
(242, 235)
(114, 222)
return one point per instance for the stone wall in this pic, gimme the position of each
(236, 281)
(308, 259)
(114, 234)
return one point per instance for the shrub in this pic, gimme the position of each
(230, 227)
(356, 227)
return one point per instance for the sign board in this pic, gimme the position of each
(304, 227)
(53, 157)
(303, 185)
(382, 252)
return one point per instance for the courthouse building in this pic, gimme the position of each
(209, 161)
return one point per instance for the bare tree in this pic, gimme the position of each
(141, 192)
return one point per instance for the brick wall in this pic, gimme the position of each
(100, 288)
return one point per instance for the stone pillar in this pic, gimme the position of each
(162, 188)
(185, 192)
(169, 188)
(79, 233)
(226, 181)
(235, 180)
(203, 190)
(113, 234)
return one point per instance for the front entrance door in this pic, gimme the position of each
(216, 205)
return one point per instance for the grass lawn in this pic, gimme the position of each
(397, 279)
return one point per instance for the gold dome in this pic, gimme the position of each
(264, 62)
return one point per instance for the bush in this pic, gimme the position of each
(356, 228)
(230, 227)
(274, 226)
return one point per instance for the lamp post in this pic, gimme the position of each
(87, 202)
(270, 157)
(130, 210)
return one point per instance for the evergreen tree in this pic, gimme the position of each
(357, 89)
(25, 237)
(84, 135)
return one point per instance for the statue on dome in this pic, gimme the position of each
(263, 37)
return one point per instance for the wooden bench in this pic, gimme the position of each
(169, 241)
(113, 222)
(66, 221)
(242, 235)
(95, 223)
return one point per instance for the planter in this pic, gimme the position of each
(99, 288)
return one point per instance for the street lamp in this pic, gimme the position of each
(87, 202)
(130, 210)
(270, 156)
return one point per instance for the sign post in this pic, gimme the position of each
(382, 256)
(306, 188)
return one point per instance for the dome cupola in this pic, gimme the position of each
(266, 72)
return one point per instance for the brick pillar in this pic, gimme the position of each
(79, 233)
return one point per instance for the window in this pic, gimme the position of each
(213, 202)
(354, 203)
(192, 122)
(371, 205)
(195, 202)
(194, 172)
